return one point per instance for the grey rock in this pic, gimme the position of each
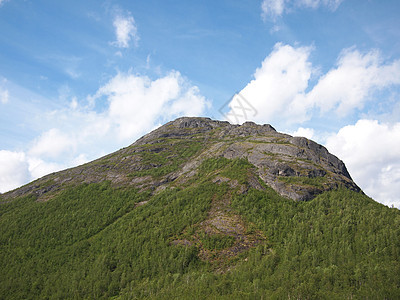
(295, 167)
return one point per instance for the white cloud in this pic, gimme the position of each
(371, 153)
(18, 168)
(2, 2)
(276, 8)
(190, 103)
(38, 167)
(52, 144)
(350, 85)
(331, 4)
(13, 170)
(277, 90)
(304, 132)
(125, 31)
(4, 96)
(137, 102)
(74, 103)
(272, 8)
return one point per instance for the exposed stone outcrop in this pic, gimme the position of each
(295, 167)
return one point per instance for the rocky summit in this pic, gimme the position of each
(295, 167)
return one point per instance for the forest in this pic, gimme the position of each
(94, 241)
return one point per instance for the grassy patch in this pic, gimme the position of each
(217, 241)
(212, 164)
(317, 181)
(236, 169)
(166, 157)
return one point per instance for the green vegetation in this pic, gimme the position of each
(236, 169)
(163, 158)
(340, 245)
(213, 164)
(217, 241)
(317, 181)
(93, 241)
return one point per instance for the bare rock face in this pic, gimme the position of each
(295, 167)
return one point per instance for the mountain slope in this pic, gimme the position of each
(295, 167)
(200, 209)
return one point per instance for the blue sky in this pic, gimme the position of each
(80, 79)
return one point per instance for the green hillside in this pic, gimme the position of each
(95, 241)
(200, 212)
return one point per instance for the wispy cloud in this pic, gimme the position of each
(2, 2)
(3, 96)
(125, 31)
(330, 4)
(271, 9)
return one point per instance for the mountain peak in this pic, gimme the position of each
(172, 154)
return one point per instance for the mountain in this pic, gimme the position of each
(200, 209)
(295, 167)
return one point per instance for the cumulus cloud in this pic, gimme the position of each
(371, 153)
(136, 103)
(353, 81)
(125, 31)
(18, 168)
(304, 132)
(281, 93)
(13, 171)
(277, 90)
(275, 8)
